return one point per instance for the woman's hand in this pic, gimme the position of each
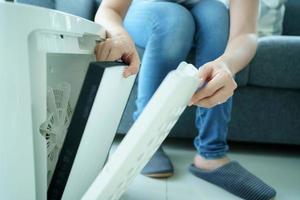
(116, 48)
(241, 48)
(219, 87)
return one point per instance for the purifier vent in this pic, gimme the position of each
(54, 129)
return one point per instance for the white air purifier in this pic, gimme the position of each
(59, 110)
(47, 101)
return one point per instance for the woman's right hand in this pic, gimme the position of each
(116, 48)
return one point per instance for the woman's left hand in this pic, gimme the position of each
(219, 87)
(119, 47)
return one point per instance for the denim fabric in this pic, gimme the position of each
(186, 3)
(168, 31)
(42, 3)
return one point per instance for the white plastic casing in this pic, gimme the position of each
(146, 134)
(99, 132)
(39, 48)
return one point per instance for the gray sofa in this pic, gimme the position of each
(266, 104)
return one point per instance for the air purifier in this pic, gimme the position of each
(46, 59)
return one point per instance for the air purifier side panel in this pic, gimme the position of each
(146, 135)
(100, 130)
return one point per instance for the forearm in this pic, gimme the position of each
(242, 42)
(110, 16)
(239, 52)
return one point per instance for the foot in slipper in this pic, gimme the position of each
(160, 166)
(236, 180)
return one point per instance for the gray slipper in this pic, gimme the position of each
(236, 180)
(159, 166)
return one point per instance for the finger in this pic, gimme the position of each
(219, 97)
(114, 55)
(117, 50)
(205, 72)
(104, 51)
(209, 89)
(134, 63)
(100, 49)
(97, 50)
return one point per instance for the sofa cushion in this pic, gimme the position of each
(271, 17)
(291, 25)
(276, 63)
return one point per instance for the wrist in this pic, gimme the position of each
(116, 31)
(225, 59)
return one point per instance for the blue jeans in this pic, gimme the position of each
(168, 31)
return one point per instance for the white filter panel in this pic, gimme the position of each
(101, 127)
(146, 134)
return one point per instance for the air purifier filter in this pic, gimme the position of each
(146, 134)
(102, 79)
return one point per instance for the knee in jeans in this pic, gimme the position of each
(174, 20)
(210, 11)
(175, 30)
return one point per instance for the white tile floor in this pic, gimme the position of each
(278, 166)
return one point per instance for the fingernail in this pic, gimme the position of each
(190, 104)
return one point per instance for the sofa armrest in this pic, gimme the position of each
(276, 63)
